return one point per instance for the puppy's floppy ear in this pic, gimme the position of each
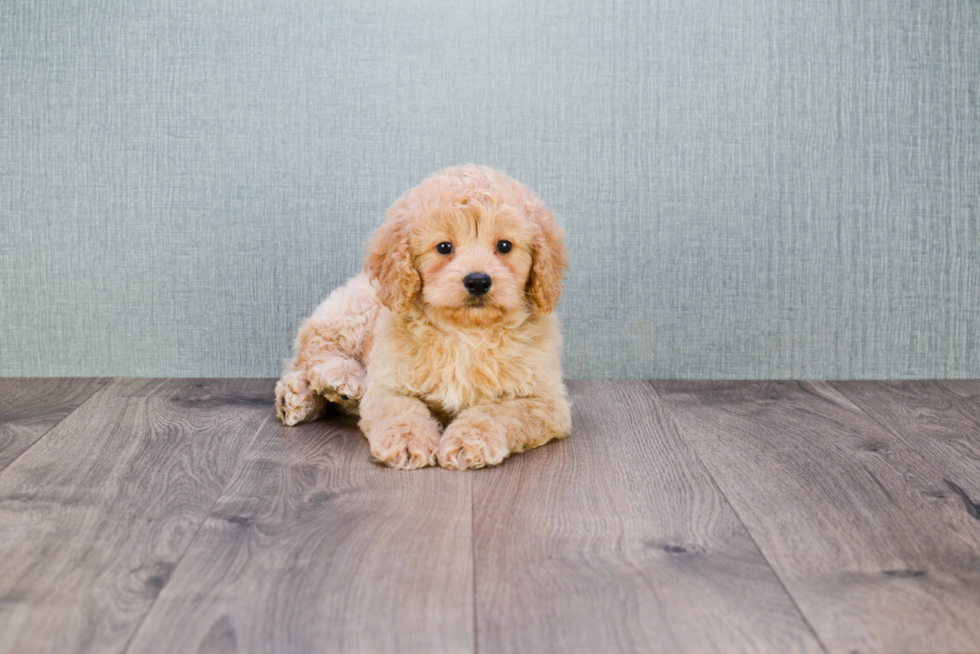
(389, 259)
(549, 258)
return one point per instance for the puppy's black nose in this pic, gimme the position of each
(477, 283)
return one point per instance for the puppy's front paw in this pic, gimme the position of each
(405, 441)
(338, 379)
(473, 443)
(295, 401)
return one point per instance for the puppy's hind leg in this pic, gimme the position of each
(296, 401)
(340, 379)
(331, 352)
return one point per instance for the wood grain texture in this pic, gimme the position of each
(616, 540)
(29, 408)
(314, 548)
(861, 529)
(963, 387)
(95, 516)
(943, 426)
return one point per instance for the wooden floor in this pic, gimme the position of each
(180, 516)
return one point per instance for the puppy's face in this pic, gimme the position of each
(474, 261)
(471, 245)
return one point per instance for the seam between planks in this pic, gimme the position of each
(860, 408)
(197, 531)
(888, 429)
(854, 400)
(944, 384)
(697, 455)
(97, 391)
(967, 500)
(476, 622)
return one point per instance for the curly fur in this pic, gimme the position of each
(435, 374)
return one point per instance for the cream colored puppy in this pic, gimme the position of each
(447, 347)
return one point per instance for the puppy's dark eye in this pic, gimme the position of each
(503, 247)
(445, 248)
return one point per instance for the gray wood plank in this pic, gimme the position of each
(943, 426)
(616, 540)
(30, 407)
(860, 528)
(94, 517)
(963, 387)
(314, 548)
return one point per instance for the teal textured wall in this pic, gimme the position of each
(752, 188)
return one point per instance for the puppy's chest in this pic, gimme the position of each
(454, 370)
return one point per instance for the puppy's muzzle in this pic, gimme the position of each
(477, 283)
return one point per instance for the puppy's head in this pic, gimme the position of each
(471, 245)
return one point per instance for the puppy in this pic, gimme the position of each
(447, 347)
